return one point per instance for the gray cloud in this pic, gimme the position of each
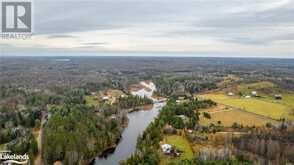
(72, 16)
(94, 43)
(244, 22)
(61, 36)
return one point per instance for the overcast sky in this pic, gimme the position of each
(249, 28)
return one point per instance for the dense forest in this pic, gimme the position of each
(74, 133)
(182, 86)
(98, 73)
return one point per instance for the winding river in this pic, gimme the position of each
(138, 122)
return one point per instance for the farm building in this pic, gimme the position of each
(278, 97)
(230, 94)
(254, 93)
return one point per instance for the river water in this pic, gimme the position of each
(138, 122)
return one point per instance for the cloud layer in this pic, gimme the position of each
(221, 27)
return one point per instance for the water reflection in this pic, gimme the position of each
(138, 121)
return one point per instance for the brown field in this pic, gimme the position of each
(114, 93)
(228, 116)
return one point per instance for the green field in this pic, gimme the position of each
(91, 101)
(263, 107)
(180, 143)
(288, 99)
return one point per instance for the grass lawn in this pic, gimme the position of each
(288, 99)
(258, 106)
(180, 143)
(2, 147)
(227, 118)
(91, 101)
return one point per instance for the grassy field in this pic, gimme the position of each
(115, 93)
(266, 108)
(258, 86)
(2, 147)
(288, 99)
(180, 143)
(91, 101)
(267, 90)
(228, 117)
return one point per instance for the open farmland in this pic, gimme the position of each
(266, 90)
(263, 86)
(258, 106)
(228, 116)
(288, 99)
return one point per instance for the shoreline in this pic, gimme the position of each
(109, 150)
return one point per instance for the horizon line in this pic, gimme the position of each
(137, 54)
(87, 56)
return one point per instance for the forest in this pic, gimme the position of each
(218, 110)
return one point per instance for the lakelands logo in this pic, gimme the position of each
(7, 158)
(16, 19)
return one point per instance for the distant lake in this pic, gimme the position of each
(62, 60)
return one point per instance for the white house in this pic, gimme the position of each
(278, 97)
(254, 93)
(105, 98)
(166, 148)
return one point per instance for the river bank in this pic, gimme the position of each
(140, 108)
(138, 121)
(109, 150)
